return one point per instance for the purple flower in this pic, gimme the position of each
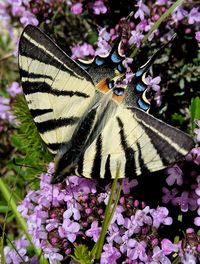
(118, 217)
(169, 195)
(194, 155)
(168, 247)
(186, 201)
(131, 226)
(135, 38)
(138, 251)
(127, 185)
(142, 218)
(114, 234)
(72, 211)
(99, 7)
(69, 230)
(81, 51)
(51, 253)
(103, 46)
(94, 231)
(194, 16)
(159, 256)
(19, 253)
(14, 89)
(142, 10)
(179, 14)
(160, 216)
(197, 130)
(153, 83)
(5, 110)
(188, 257)
(163, 2)
(77, 8)
(175, 174)
(197, 36)
(28, 18)
(197, 221)
(110, 254)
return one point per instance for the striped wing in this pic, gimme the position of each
(138, 142)
(57, 90)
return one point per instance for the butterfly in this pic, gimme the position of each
(87, 120)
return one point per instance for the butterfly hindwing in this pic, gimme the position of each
(58, 91)
(138, 142)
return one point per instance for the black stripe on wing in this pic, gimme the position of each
(34, 52)
(169, 142)
(42, 87)
(143, 167)
(48, 52)
(32, 75)
(97, 160)
(52, 124)
(129, 152)
(107, 174)
(54, 146)
(39, 112)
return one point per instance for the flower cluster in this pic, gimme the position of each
(182, 190)
(71, 212)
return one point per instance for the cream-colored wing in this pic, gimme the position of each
(138, 142)
(58, 91)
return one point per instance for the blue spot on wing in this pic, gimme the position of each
(140, 87)
(142, 104)
(115, 58)
(99, 61)
(121, 68)
(139, 72)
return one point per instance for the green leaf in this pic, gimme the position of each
(195, 111)
(179, 118)
(82, 255)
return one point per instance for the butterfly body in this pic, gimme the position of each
(87, 119)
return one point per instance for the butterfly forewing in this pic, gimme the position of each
(57, 90)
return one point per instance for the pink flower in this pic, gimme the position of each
(28, 18)
(197, 36)
(194, 16)
(127, 185)
(80, 51)
(160, 216)
(168, 247)
(94, 231)
(197, 130)
(110, 254)
(175, 174)
(99, 7)
(77, 8)
(142, 10)
(69, 229)
(194, 156)
(14, 89)
(135, 38)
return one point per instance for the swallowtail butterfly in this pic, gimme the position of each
(86, 120)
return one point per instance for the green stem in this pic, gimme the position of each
(157, 24)
(97, 249)
(9, 199)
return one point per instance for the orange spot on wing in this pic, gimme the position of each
(118, 99)
(102, 86)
